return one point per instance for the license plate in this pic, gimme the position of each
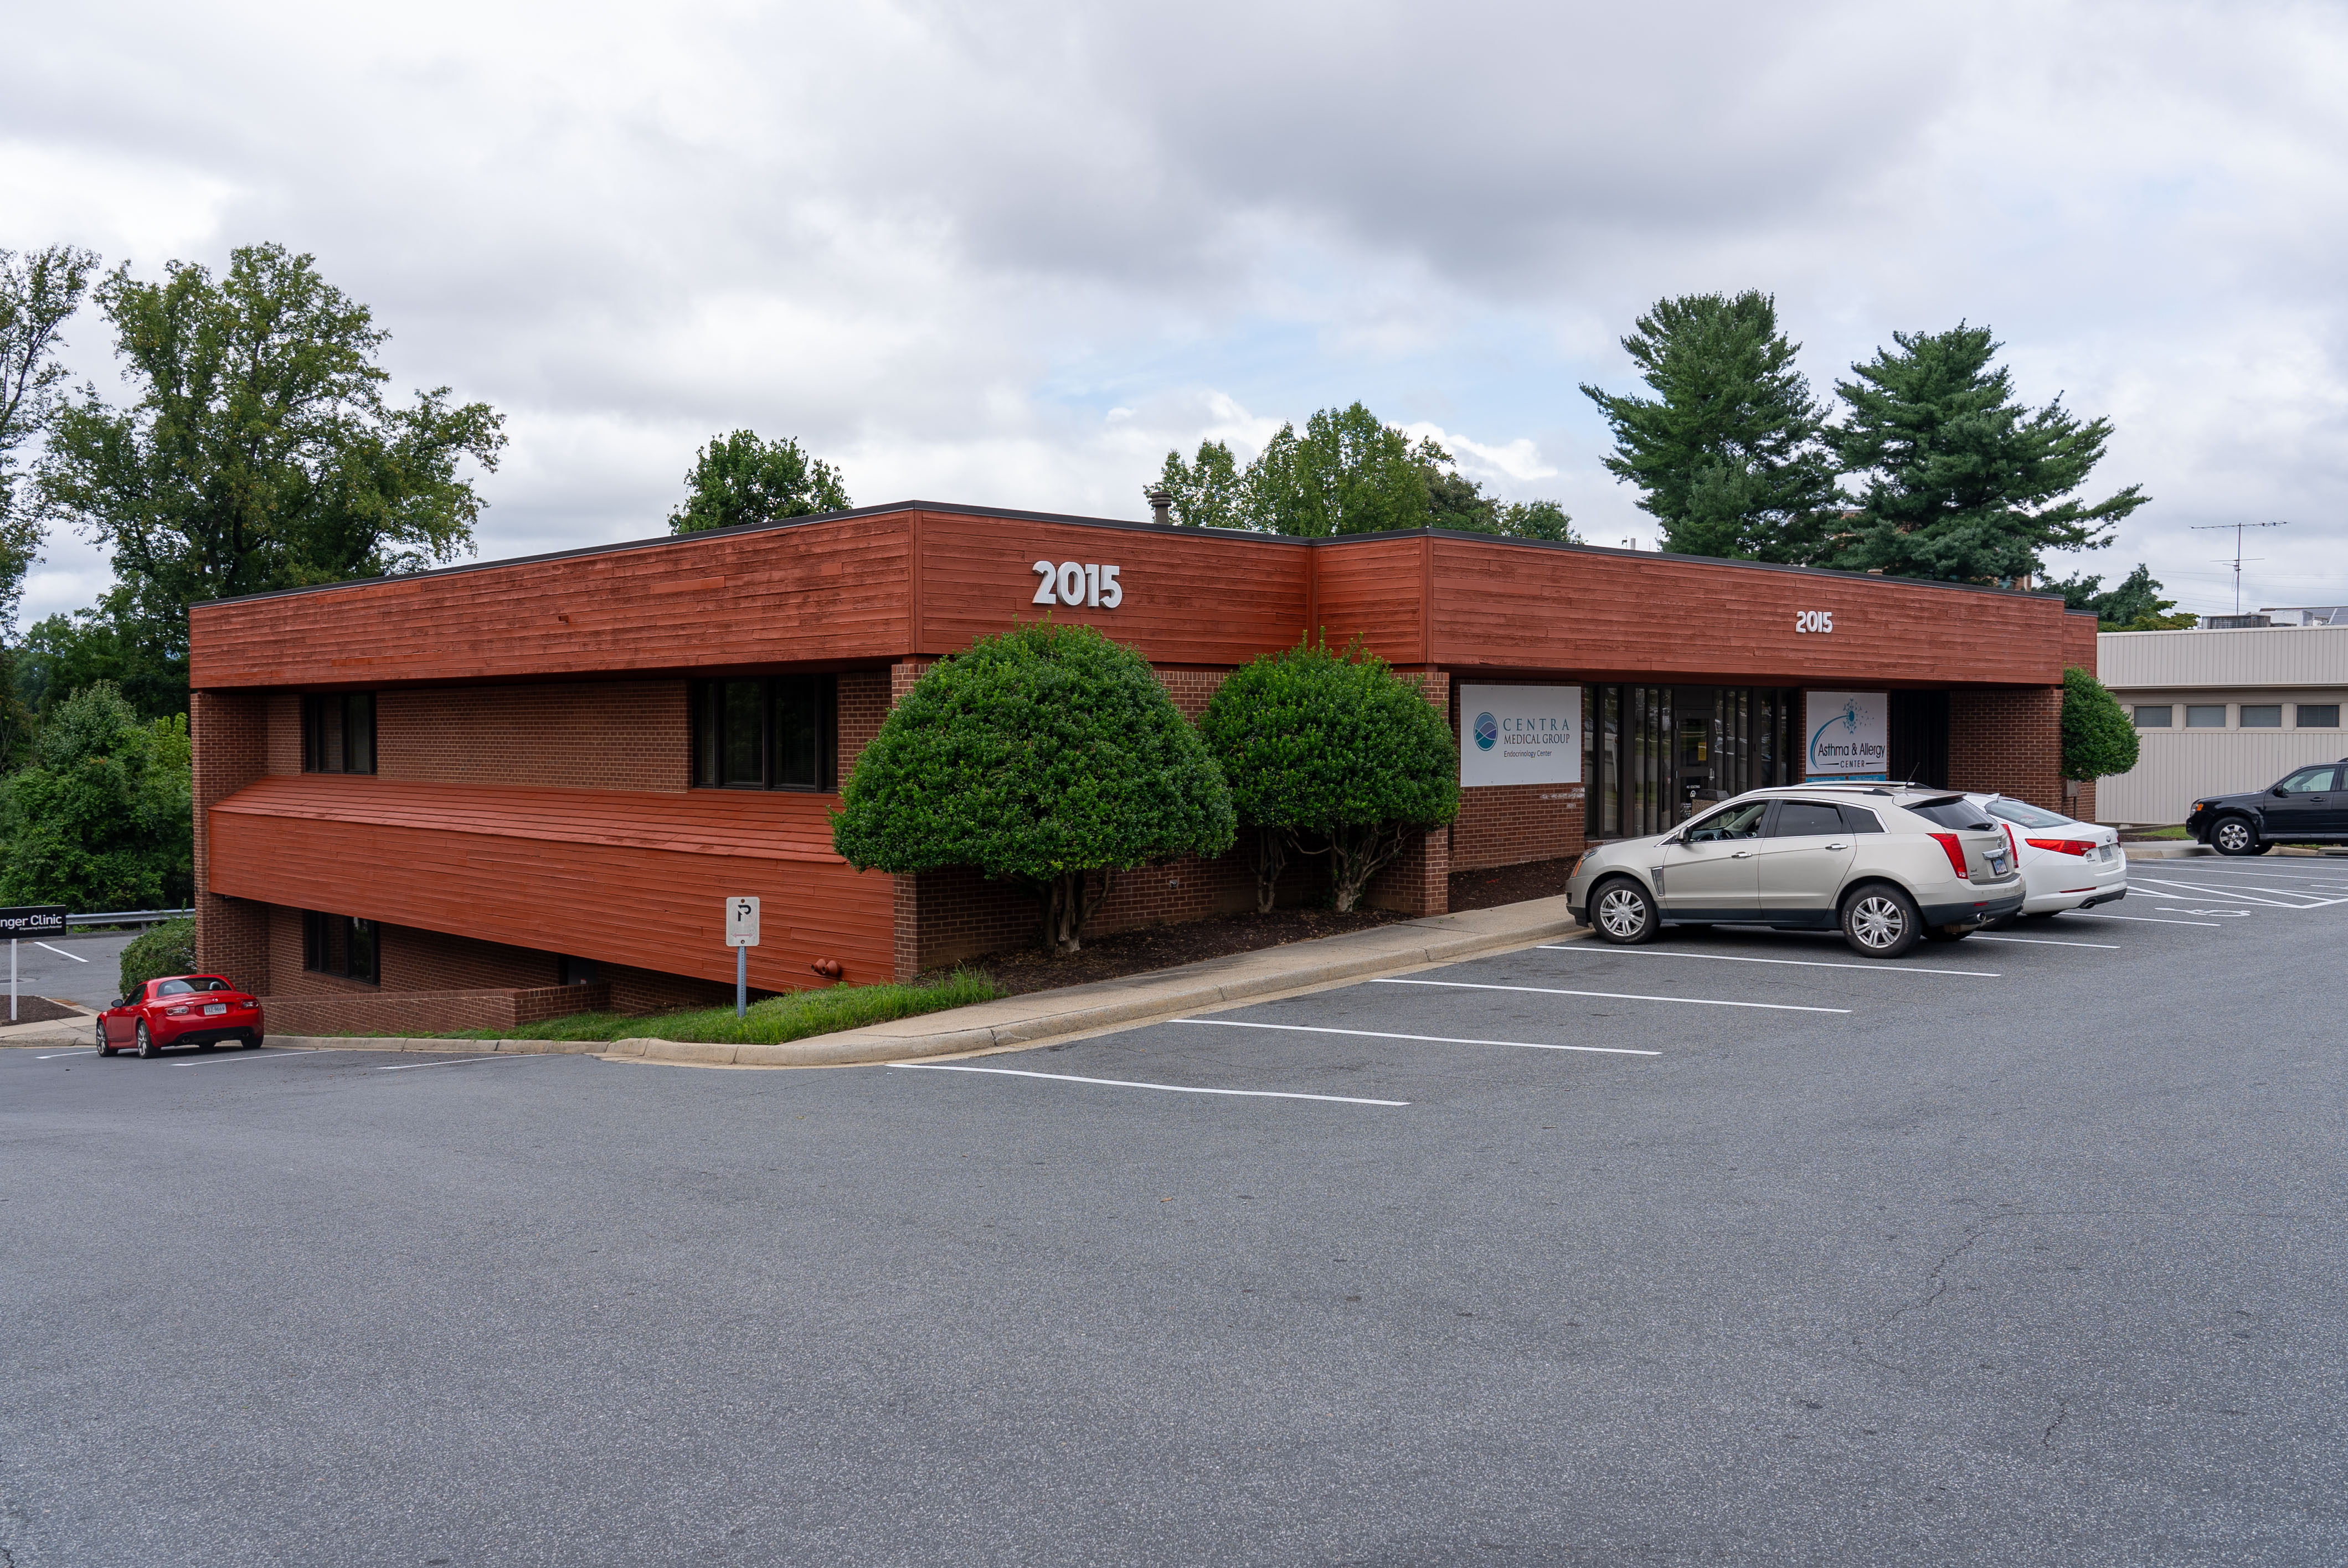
(2108, 852)
(1997, 865)
(213, 1009)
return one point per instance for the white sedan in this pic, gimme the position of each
(2066, 864)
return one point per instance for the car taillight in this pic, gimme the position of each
(2011, 841)
(175, 1012)
(1955, 852)
(2081, 847)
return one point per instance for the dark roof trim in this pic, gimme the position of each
(1116, 524)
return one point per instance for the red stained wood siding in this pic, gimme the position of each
(1189, 599)
(621, 877)
(1608, 615)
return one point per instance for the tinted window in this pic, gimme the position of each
(2262, 715)
(1962, 814)
(2206, 716)
(1858, 819)
(1736, 821)
(206, 983)
(2309, 781)
(2158, 717)
(1805, 819)
(2319, 715)
(2023, 815)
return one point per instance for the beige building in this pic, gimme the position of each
(2221, 711)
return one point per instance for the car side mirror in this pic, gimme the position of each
(2281, 793)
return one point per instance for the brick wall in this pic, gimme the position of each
(427, 1012)
(864, 701)
(231, 736)
(2009, 741)
(602, 734)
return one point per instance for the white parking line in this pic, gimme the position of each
(472, 1061)
(265, 1054)
(86, 1051)
(2045, 942)
(1878, 968)
(61, 953)
(1423, 1038)
(2141, 919)
(2239, 892)
(1128, 1083)
(1611, 996)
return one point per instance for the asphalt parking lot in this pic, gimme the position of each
(1735, 1248)
(85, 969)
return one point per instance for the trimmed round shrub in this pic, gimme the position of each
(2098, 739)
(1331, 754)
(1049, 756)
(169, 948)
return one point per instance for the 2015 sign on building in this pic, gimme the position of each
(1078, 583)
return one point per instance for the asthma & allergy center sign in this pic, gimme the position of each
(1850, 735)
(1519, 734)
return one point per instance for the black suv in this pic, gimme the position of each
(2309, 806)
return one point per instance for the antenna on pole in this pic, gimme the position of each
(2238, 527)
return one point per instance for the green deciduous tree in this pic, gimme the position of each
(38, 292)
(2097, 737)
(2134, 605)
(1963, 483)
(260, 451)
(1047, 755)
(1331, 754)
(740, 478)
(1347, 473)
(145, 657)
(1728, 454)
(100, 818)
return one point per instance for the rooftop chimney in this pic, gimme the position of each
(1161, 505)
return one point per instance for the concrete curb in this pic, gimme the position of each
(1046, 1018)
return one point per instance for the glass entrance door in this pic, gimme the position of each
(1657, 753)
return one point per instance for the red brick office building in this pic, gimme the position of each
(448, 799)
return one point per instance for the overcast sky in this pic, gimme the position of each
(1008, 254)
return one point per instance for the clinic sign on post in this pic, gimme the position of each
(1850, 735)
(1519, 735)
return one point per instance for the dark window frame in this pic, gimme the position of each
(341, 945)
(331, 721)
(784, 704)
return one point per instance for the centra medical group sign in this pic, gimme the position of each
(1519, 735)
(1850, 735)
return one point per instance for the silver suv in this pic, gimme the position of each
(1889, 865)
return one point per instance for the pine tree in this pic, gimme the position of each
(1728, 452)
(1963, 483)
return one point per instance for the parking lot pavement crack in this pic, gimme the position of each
(2062, 1414)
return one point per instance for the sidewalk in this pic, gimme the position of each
(1043, 1017)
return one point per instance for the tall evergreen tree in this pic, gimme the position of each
(1963, 483)
(1728, 452)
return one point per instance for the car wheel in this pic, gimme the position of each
(205, 1044)
(2235, 835)
(1623, 913)
(146, 1046)
(1881, 921)
(249, 1041)
(103, 1049)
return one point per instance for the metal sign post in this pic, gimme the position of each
(741, 935)
(29, 920)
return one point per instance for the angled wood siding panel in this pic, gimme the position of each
(2079, 641)
(1189, 597)
(1669, 618)
(1374, 588)
(623, 877)
(832, 592)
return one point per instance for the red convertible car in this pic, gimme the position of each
(200, 1011)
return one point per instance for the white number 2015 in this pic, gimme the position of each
(1071, 583)
(1814, 621)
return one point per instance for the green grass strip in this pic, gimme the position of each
(793, 1016)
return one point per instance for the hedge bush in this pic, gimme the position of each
(169, 948)
(1049, 756)
(1331, 754)
(2098, 737)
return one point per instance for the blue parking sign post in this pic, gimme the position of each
(741, 935)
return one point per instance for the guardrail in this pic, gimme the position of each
(132, 917)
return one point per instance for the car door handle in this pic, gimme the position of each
(1741, 855)
(1834, 846)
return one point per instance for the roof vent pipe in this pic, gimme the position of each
(1161, 505)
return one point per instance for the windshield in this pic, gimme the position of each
(1963, 814)
(2022, 814)
(183, 988)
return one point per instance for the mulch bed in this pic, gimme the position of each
(39, 1010)
(1509, 884)
(1139, 952)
